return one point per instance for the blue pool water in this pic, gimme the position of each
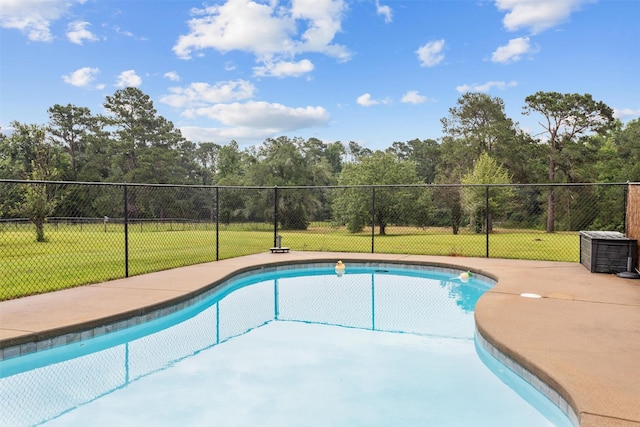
(373, 347)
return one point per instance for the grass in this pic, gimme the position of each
(80, 254)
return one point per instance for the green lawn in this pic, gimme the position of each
(76, 255)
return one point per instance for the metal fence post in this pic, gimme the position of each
(373, 218)
(126, 233)
(275, 216)
(625, 203)
(217, 223)
(486, 218)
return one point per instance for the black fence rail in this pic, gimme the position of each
(55, 235)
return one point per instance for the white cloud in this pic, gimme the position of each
(77, 32)
(384, 11)
(253, 120)
(33, 17)
(366, 101)
(323, 20)
(81, 77)
(513, 51)
(201, 94)
(236, 25)
(128, 78)
(413, 97)
(537, 15)
(486, 87)
(284, 69)
(623, 113)
(271, 32)
(431, 54)
(264, 115)
(172, 75)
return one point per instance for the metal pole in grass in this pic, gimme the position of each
(275, 216)
(486, 219)
(217, 223)
(126, 233)
(373, 218)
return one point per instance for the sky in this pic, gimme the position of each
(369, 71)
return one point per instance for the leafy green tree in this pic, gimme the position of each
(424, 153)
(485, 171)
(207, 155)
(628, 143)
(281, 162)
(352, 206)
(40, 161)
(230, 172)
(479, 124)
(8, 158)
(357, 152)
(70, 127)
(324, 162)
(229, 163)
(98, 165)
(188, 169)
(450, 198)
(335, 152)
(146, 147)
(618, 160)
(480, 120)
(144, 144)
(568, 118)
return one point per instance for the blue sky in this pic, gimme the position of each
(370, 71)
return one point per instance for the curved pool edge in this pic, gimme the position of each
(94, 325)
(517, 369)
(108, 319)
(597, 390)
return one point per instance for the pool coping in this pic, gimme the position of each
(581, 347)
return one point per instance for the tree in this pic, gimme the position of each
(144, 143)
(425, 154)
(353, 205)
(479, 124)
(281, 162)
(207, 155)
(41, 161)
(70, 127)
(358, 152)
(628, 144)
(229, 163)
(485, 171)
(450, 198)
(567, 119)
(334, 153)
(480, 120)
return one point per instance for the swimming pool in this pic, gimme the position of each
(378, 345)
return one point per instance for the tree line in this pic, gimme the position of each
(578, 141)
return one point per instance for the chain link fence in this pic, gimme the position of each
(55, 235)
